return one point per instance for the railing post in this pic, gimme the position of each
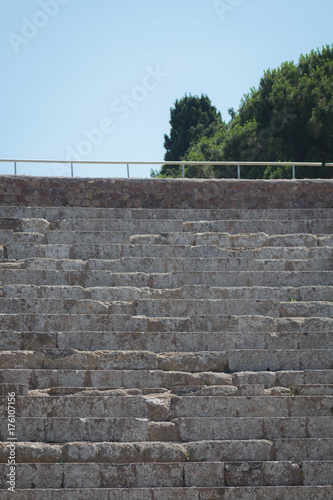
(128, 174)
(15, 169)
(183, 167)
(294, 174)
(72, 170)
(238, 171)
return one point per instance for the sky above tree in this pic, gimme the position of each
(96, 80)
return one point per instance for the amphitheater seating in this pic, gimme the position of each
(166, 354)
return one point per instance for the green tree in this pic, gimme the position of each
(209, 149)
(288, 118)
(191, 118)
(293, 115)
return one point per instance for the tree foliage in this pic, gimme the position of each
(191, 118)
(289, 117)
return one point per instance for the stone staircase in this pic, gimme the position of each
(161, 354)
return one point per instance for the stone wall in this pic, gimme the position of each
(165, 193)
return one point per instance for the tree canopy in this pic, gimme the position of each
(289, 117)
(191, 118)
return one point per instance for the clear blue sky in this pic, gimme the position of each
(70, 67)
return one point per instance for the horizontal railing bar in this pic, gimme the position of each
(180, 162)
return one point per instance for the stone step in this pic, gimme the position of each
(313, 389)
(151, 226)
(91, 475)
(125, 323)
(185, 307)
(220, 239)
(280, 226)
(204, 385)
(302, 431)
(151, 452)
(93, 278)
(164, 341)
(157, 265)
(193, 362)
(65, 430)
(225, 389)
(254, 406)
(281, 473)
(68, 359)
(279, 359)
(311, 253)
(192, 493)
(235, 241)
(165, 407)
(130, 293)
(204, 264)
(96, 250)
(314, 226)
(102, 452)
(29, 250)
(59, 380)
(290, 438)
(65, 381)
(268, 226)
(201, 388)
(317, 449)
(156, 307)
(67, 306)
(168, 280)
(67, 237)
(11, 340)
(56, 213)
(260, 390)
(285, 378)
(278, 450)
(18, 389)
(24, 224)
(307, 309)
(141, 451)
(24, 238)
(249, 390)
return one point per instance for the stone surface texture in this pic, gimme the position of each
(164, 193)
(166, 339)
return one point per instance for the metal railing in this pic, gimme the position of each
(183, 164)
